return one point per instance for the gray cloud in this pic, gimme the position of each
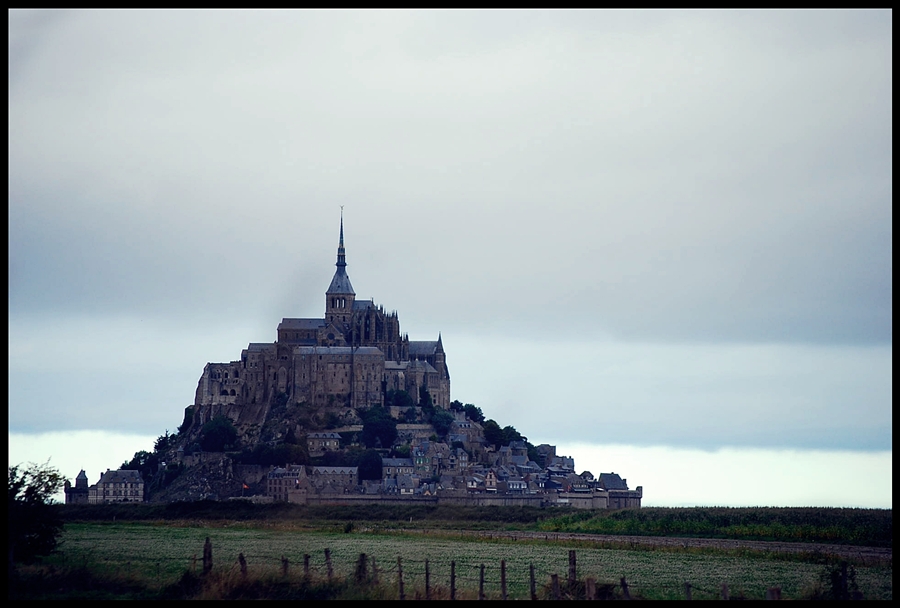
(656, 177)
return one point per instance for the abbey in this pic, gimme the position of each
(349, 359)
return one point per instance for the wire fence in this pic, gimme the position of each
(427, 578)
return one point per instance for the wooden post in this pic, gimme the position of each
(725, 591)
(531, 573)
(624, 588)
(306, 564)
(427, 582)
(845, 593)
(773, 593)
(590, 591)
(554, 585)
(503, 579)
(361, 569)
(207, 557)
(453, 580)
(328, 563)
(687, 591)
(400, 578)
(243, 563)
(572, 571)
(284, 566)
(481, 584)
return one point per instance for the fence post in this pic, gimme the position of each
(503, 579)
(361, 569)
(725, 591)
(400, 578)
(481, 584)
(554, 585)
(284, 566)
(624, 588)
(845, 595)
(687, 591)
(427, 582)
(590, 591)
(207, 556)
(773, 593)
(306, 565)
(328, 563)
(453, 580)
(243, 563)
(572, 571)
(531, 573)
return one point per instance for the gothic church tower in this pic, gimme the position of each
(340, 295)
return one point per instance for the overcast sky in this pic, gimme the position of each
(647, 228)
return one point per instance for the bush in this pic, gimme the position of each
(34, 523)
(218, 435)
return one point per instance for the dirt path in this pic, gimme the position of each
(842, 551)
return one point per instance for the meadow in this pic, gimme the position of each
(156, 559)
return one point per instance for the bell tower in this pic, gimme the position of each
(340, 295)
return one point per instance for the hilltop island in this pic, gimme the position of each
(346, 409)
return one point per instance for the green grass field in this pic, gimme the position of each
(151, 556)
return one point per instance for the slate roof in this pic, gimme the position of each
(337, 350)
(612, 481)
(260, 346)
(121, 476)
(423, 365)
(301, 323)
(397, 462)
(422, 348)
(363, 304)
(340, 283)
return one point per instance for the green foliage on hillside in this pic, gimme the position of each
(281, 454)
(218, 435)
(369, 466)
(379, 428)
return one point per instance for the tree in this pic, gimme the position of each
(474, 413)
(218, 435)
(493, 434)
(370, 466)
(441, 422)
(143, 462)
(34, 523)
(379, 428)
(163, 442)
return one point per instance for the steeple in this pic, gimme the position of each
(342, 257)
(340, 295)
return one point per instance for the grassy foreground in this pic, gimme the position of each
(163, 560)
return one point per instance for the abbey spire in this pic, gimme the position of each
(340, 295)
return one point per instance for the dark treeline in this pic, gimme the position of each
(868, 527)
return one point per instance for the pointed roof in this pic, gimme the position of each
(340, 284)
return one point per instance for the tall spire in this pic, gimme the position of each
(341, 256)
(341, 282)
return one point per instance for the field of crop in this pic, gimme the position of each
(160, 553)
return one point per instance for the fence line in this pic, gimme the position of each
(366, 571)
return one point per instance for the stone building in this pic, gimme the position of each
(79, 493)
(117, 486)
(348, 359)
